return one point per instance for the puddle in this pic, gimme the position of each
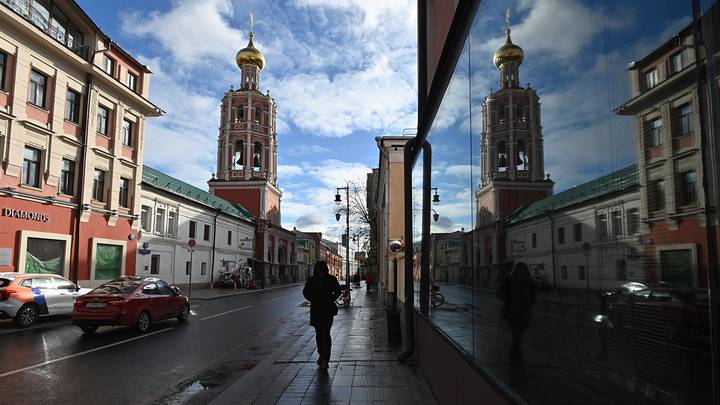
(200, 389)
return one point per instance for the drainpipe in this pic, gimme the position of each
(82, 172)
(212, 265)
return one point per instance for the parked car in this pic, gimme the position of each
(132, 301)
(26, 296)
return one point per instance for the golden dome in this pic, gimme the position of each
(250, 56)
(509, 52)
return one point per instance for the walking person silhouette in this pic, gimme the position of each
(518, 293)
(322, 289)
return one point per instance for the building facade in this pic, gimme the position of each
(73, 106)
(247, 167)
(172, 213)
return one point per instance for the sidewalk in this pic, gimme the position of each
(204, 293)
(363, 367)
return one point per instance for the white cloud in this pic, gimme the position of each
(191, 30)
(285, 171)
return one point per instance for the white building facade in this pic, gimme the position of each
(172, 213)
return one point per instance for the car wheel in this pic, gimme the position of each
(26, 315)
(88, 328)
(143, 321)
(184, 313)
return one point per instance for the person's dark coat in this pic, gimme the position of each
(518, 292)
(322, 293)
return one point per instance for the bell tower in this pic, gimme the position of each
(247, 142)
(513, 170)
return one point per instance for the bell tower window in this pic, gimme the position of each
(238, 156)
(501, 157)
(240, 113)
(522, 159)
(257, 155)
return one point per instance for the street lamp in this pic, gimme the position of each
(436, 196)
(436, 216)
(338, 200)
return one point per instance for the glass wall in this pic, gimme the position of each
(575, 242)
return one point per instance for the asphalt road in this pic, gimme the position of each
(55, 363)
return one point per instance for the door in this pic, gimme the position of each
(171, 303)
(47, 296)
(67, 292)
(152, 301)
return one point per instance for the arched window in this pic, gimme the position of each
(258, 114)
(257, 155)
(240, 116)
(501, 157)
(239, 155)
(521, 162)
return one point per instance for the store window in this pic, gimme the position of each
(45, 256)
(108, 261)
(31, 167)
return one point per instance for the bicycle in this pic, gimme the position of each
(436, 299)
(344, 298)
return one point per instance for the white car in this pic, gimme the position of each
(26, 296)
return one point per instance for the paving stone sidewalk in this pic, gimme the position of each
(363, 367)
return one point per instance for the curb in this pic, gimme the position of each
(244, 292)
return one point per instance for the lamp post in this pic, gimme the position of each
(338, 200)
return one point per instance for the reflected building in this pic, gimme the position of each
(668, 101)
(513, 172)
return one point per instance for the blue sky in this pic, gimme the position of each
(344, 71)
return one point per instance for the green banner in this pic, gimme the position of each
(35, 265)
(108, 262)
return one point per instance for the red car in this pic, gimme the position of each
(128, 300)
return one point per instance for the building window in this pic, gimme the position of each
(633, 221)
(45, 256)
(155, 264)
(239, 161)
(191, 231)
(38, 85)
(206, 232)
(145, 218)
(561, 235)
(657, 195)
(581, 272)
(534, 239)
(577, 231)
(127, 131)
(203, 268)
(188, 268)
(563, 272)
(102, 120)
(109, 65)
(108, 261)
(229, 239)
(602, 226)
(132, 81)
(616, 218)
(3, 69)
(67, 177)
(621, 269)
(160, 220)
(72, 106)
(653, 132)
(651, 79)
(240, 113)
(684, 119)
(124, 192)
(172, 223)
(98, 192)
(676, 62)
(258, 115)
(31, 167)
(687, 187)
(257, 156)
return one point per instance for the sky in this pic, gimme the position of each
(345, 71)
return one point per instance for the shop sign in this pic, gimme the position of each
(29, 215)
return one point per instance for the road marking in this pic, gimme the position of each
(20, 370)
(274, 299)
(225, 313)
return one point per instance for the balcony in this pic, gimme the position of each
(45, 21)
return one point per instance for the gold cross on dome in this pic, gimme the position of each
(252, 22)
(507, 19)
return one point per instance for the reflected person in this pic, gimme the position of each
(518, 293)
(322, 289)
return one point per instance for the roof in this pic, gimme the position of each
(615, 182)
(162, 181)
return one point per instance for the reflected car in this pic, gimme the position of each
(131, 301)
(25, 297)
